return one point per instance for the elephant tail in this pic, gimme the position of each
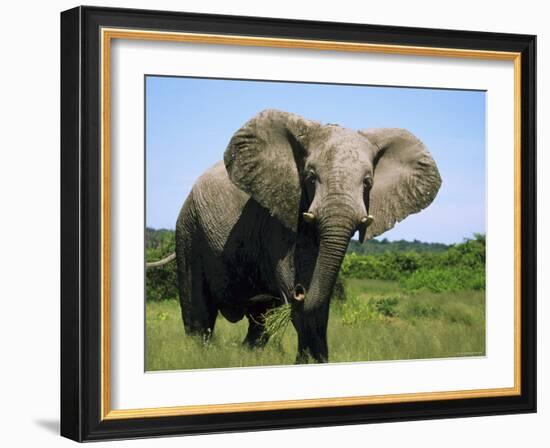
(159, 263)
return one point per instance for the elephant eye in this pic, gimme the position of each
(367, 182)
(311, 176)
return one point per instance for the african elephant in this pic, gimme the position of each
(272, 222)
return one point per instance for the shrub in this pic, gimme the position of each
(461, 266)
(160, 283)
(386, 306)
(402, 263)
(357, 310)
(367, 266)
(445, 279)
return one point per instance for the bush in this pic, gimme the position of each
(445, 279)
(461, 266)
(367, 266)
(160, 283)
(403, 263)
(386, 306)
(356, 310)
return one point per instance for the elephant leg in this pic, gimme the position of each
(184, 289)
(312, 338)
(255, 336)
(202, 313)
(197, 307)
(312, 346)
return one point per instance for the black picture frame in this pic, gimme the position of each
(81, 415)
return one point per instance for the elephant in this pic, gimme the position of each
(271, 223)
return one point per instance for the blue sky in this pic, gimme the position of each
(190, 121)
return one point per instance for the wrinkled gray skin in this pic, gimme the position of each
(242, 244)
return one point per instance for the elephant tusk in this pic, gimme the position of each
(308, 217)
(284, 297)
(367, 220)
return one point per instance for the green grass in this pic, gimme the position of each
(378, 321)
(168, 347)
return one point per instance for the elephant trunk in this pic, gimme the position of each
(335, 231)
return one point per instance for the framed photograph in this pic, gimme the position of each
(272, 223)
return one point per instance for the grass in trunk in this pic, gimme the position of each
(276, 321)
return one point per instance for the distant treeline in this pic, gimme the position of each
(376, 247)
(415, 265)
(159, 238)
(164, 238)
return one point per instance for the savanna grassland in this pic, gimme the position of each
(397, 303)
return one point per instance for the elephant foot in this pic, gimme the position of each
(302, 358)
(207, 337)
(202, 335)
(305, 357)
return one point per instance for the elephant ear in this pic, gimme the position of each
(265, 158)
(406, 178)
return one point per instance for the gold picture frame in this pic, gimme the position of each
(119, 25)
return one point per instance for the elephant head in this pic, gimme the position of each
(334, 181)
